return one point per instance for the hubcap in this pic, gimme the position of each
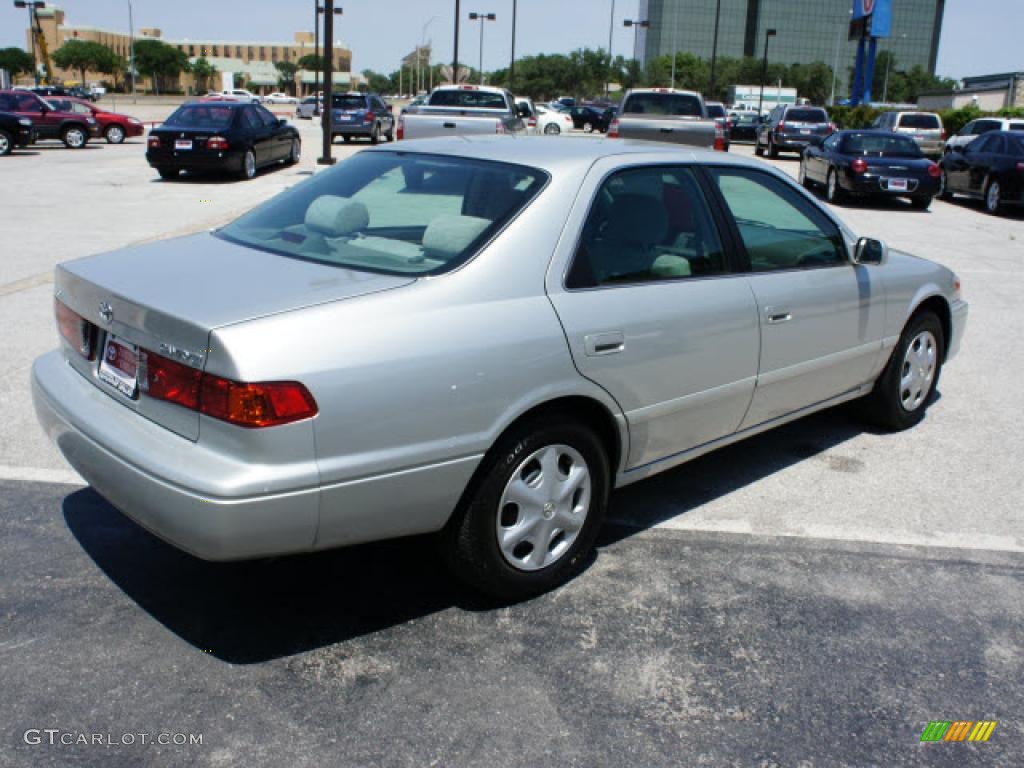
(296, 151)
(115, 134)
(993, 195)
(803, 174)
(543, 507)
(250, 164)
(75, 138)
(4, 144)
(831, 186)
(918, 370)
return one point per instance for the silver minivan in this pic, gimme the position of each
(923, 127)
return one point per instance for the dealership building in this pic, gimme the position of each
(806, 31)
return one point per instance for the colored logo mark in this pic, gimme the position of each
(958, 730)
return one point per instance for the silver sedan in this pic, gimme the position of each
(478, 339)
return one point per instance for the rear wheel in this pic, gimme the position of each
(168, 173)
(6, 143)
(296, 152)
(552, 129)
(533, 511)
(944, 192)
(773, 151)
(74, 137)
(921, 202)
(833, 192)
(903, 391)
(114, 134)
(346, 138)
(375, 134)
(248, 164)
(802, 176)
(993, 197)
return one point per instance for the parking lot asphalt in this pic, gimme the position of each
(815, 594)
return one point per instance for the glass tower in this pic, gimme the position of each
(808, 31)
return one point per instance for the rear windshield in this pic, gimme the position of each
(348, 101)
(892, 145)
(715, 110)
(468, 99)
(923, 122)
(393, 212)
(663, 104)
(806, 116)
(201, 116)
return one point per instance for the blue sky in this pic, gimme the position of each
(380, 31)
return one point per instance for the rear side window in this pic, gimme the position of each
(921, 122)
(984, 126)
(806, 116)
(647, 225)
(203, 116)
(678, 104)
(779, 229)
(468, 99)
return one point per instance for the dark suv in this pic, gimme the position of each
(14, 132)
(73, 129)
(790, 128)
(361, 114)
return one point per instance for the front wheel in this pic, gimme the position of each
(994, 198)
(532, 512)
(6, 143)
(903, 391)
(833, 192)
(758, 149)
(296, 152)
(114, 134)
(773, 151)
(248, 164)
(588, 127)
(74, 137)
(802, 176)
(390, 133)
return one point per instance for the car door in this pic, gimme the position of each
(280, 136)
(259, 134)
(653, 310)
(981, 159)
(34, 108)
(821, 317)
(823, 156)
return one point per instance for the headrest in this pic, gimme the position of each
(637, 219)
(449, 235)
(336, 216)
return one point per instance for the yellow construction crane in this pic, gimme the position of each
(38, 38)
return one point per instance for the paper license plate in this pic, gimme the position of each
(183, 144)
(120, 366)
(805, 131)
(899, 185)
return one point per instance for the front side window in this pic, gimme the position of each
(647, 225)
(779, 229)
(29, 103)
(393, 212)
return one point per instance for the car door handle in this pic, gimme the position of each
(667, 130)
(597, 344)
(778, 315)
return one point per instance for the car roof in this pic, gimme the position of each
(541, 152)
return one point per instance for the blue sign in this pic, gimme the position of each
(878, 13)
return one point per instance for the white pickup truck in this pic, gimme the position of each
(664, 114)
(461, 110)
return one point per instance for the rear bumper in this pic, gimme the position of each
(191, 160)
(794, 142)
(351, 129)
(874, 185)
(90, 429)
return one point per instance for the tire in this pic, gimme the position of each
(390, 133)
(6, 143)
(168, 174)
(994, 197)
(375, 134)
(833, 192)
(552, 129)
(295, 154)
(758, 149)
(114, 134)
(345, 138)
(902, 394)
(944, 192)
(248, 169)
(773, 151)
(74, 137)
(488, 513)
(588, 127)
(804, 181)
(921, 202)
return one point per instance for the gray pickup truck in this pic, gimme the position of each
(462, 110)
(664, 114)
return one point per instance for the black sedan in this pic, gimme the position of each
(744, 126)
(15, 131)
(870, 164)
(221, 136)
(591, 118)
(990, 168)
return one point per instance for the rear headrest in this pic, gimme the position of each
(449, 235)
(335, 216)
(636, 219)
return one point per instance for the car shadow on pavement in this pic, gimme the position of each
(254, 611)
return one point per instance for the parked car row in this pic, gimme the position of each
(47, 121)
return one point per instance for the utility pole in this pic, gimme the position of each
(608, 74)
(714, 52)
(512, 62)
(764, 68)
(325, 118)
(131, 50)
(455, 55)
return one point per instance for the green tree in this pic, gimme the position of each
(15, 60)
(286, 71)
(311, 62)
(83, 55)
(377, 82)
(114, 65)
(203, 71)
(159, 61)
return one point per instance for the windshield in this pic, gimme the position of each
(716, 110)
(880, 144)
(806, 116)
(392, 212)
(663, 104)
(205, 116)
(468, 99)
(922, 122)
(348, 101)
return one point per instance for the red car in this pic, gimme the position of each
(114, 127)
(73, 128)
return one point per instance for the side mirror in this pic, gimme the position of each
(869, 251)
(523, 111)
(282, 122)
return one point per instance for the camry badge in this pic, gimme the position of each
(106, 312)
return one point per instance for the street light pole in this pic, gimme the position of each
(636, 24)
(764, 68)
(512, 61)
(32, 5)
(419, 52)
(455, 54)
(675, 41)
(329, 12)
(482, 17)
(608, 74)
(131, 50)
(714, 51)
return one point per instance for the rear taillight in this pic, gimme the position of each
(217, 143)
(942, 135)
(153, 142)
(832, 128)
(532, 122)
(267, 404)
(858, 166)
(400, 129)
(719, 138)
(76, 330)
(369, 118)
(934, 171)
(613, 129)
